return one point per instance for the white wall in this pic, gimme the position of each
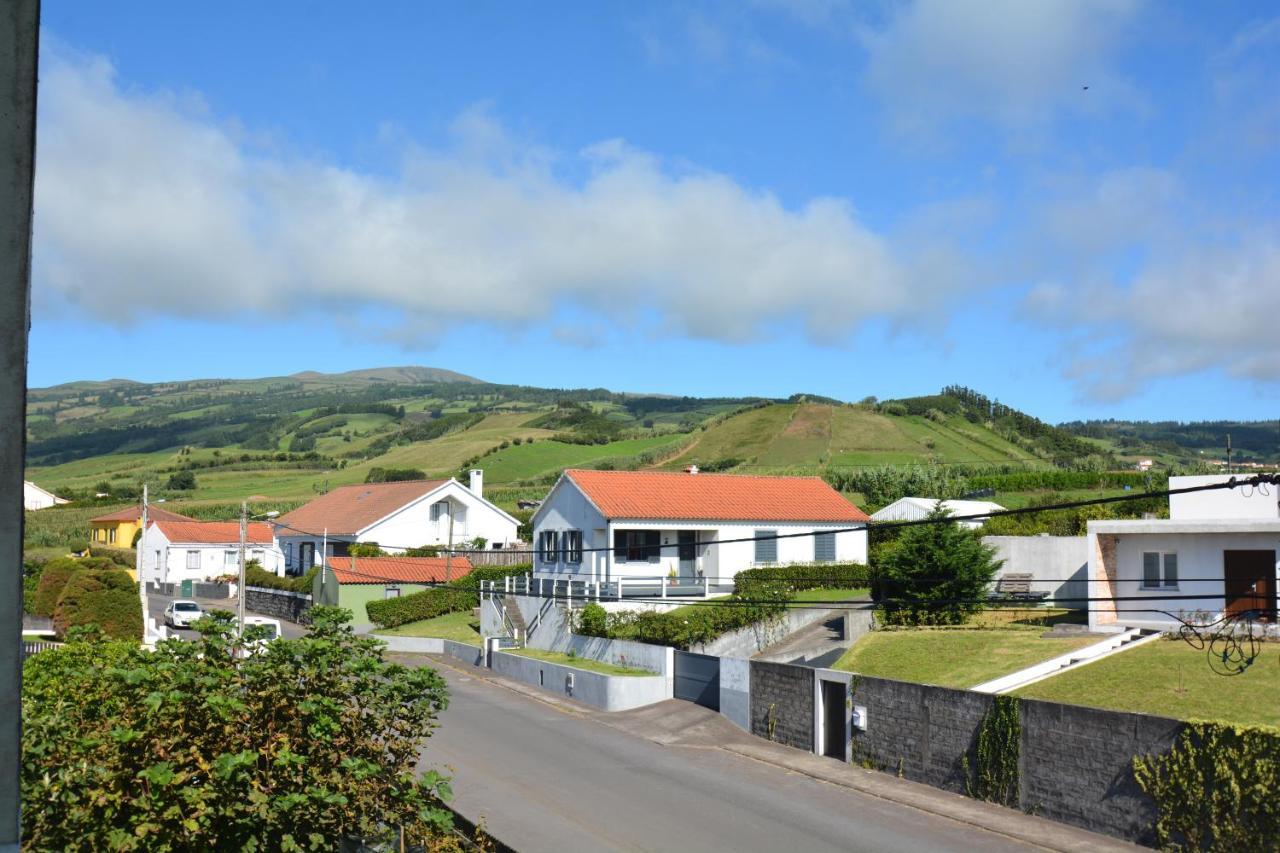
(1200, 573)
(166, 562)
(566, 508)
(412, 526)
(34, 497)
(1240, 502)
(1058, 565)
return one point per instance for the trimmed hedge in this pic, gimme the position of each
(462, 594)
(782, 581)
(255, 575)
(54, 577)
(107, 599)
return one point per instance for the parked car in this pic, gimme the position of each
(263, 623)
(181, 613)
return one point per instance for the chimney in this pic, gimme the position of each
(477, 482)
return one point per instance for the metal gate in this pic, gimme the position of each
(698, 679)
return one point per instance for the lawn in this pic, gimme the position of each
(1170, 678)
(962, 657)
(580, 663)
(832, 594)
(460, 626)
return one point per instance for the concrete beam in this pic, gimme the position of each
(19, 42)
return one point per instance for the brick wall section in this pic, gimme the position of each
(789, 689)
(926, 731)
(1076, 766)
(279, 603)
(1104, 586)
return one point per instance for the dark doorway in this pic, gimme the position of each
(833, 717)
(687, 542)
(306, 556)
(697, 679)
(1250, 578)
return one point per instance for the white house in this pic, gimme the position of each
(1216, 554)
(34, 497)
(397, 516)
(603, 525)
(914, 509)
(175, 551)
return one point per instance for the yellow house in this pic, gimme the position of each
(117, 529)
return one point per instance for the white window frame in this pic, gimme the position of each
(1164, 579)
(549, 546)
(572, 541)
(766, 537)
(821, 534)
(390, 592)
(231, 559)
(193, 557)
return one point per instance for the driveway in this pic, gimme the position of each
(156, 603)
(555, 776)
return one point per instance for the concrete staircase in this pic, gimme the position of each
(1130, 638)
(516, 620)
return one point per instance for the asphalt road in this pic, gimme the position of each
(546, 779)
(156, 604)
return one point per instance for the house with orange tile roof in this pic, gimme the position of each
(692, 528)
(352, 582)
(175, 550)
(397, 516)
(119, 529)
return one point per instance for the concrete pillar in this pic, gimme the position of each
(19, 42)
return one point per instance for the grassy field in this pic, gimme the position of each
(527, 461)
(952, 658)
(461, 626)
(745, 436)
(1171, 679)
(580, 663)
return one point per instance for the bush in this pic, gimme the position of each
(783, 581)
(303, 746)
(182, 481)
(365, 549)
(593, 621)
(255, 575)
(462, 594)
(106, 599)
(119, 556)
(54, 577)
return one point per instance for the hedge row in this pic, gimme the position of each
(784, 581)
(107, 599)
(462, 594)
(54, 577)
(255, 575)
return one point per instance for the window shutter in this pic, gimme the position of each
(766, 548)
(620, 546)
(824, 548)
(1170, 569)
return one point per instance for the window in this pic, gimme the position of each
(637, 546)
(439, 510)
(193, 559)
(391, 592)
(111, 536)
(548, 549)
(288, 555)
(1152, 562)
(573, 546)
(766, 546)
(824, 548)
(231, 559)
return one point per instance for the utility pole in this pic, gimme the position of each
(244, 534)
(140, 563)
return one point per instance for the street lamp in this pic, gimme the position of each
(244, 535)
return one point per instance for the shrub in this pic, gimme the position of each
(592, 621)
(462, 594)
(182, 481)
(54, 579)
(255, 575)
(782, 581)
(106, 599)
(119, 556)
(306, 745)
(365, 549)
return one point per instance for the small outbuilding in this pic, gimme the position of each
(352, 582)
(914, 509)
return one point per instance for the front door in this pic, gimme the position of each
(833, 715)
(687, 542)
(1250, 583)
(306, 556)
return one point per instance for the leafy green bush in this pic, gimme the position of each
(54, 577)
(593, 621)
(255, 575)
(774, 582)
(302, 746)
(365, 549)
(462, 594)
(120, 556)
(700, 624)
(182, 481)
(106, 599)
(394, 475)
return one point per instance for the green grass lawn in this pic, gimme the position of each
(831, 594)
(461, 626)
(580, 663)
(1169, 678)
(952, 658)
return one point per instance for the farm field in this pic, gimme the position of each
(528, 461)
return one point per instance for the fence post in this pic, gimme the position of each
(706, 586)
(662, 582)
(619, 587)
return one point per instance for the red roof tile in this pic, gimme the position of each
(347, 510)
(214, 532)
(714, 497)
(396, 569)
(134, 513)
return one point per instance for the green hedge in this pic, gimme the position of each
(783, 581)
(255, 575)
(54, 577)
(462, 594)
(107, 599)
(123, 557)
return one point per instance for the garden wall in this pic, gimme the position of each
(1074, 763)
(607, 692)
(278, 603)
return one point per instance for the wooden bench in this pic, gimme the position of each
(1017, 586)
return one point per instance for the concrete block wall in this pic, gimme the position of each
(606, 692)
(745, 642)
(784, 692)
(279, 603)
(1076, 766)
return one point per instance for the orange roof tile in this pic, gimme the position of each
(397, 569)
(713, 497)
(347, 510)
(134, 513)
(214, 532)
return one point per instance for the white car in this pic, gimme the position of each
(273, 632)
(181, 613)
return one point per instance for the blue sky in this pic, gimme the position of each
(718, 198)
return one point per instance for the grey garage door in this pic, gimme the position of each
(698, 679)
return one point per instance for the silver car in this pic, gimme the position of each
(181, 613)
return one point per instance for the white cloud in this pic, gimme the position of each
(1011, 61)
(146, 204)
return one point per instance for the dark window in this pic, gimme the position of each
(766, 546)
(637, 546)
(1171, 570)
(1150, 570)
(573, 546)
(548, 549)
(824, 548)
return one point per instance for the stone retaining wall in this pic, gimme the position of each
(279, 603)
(782, 703)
